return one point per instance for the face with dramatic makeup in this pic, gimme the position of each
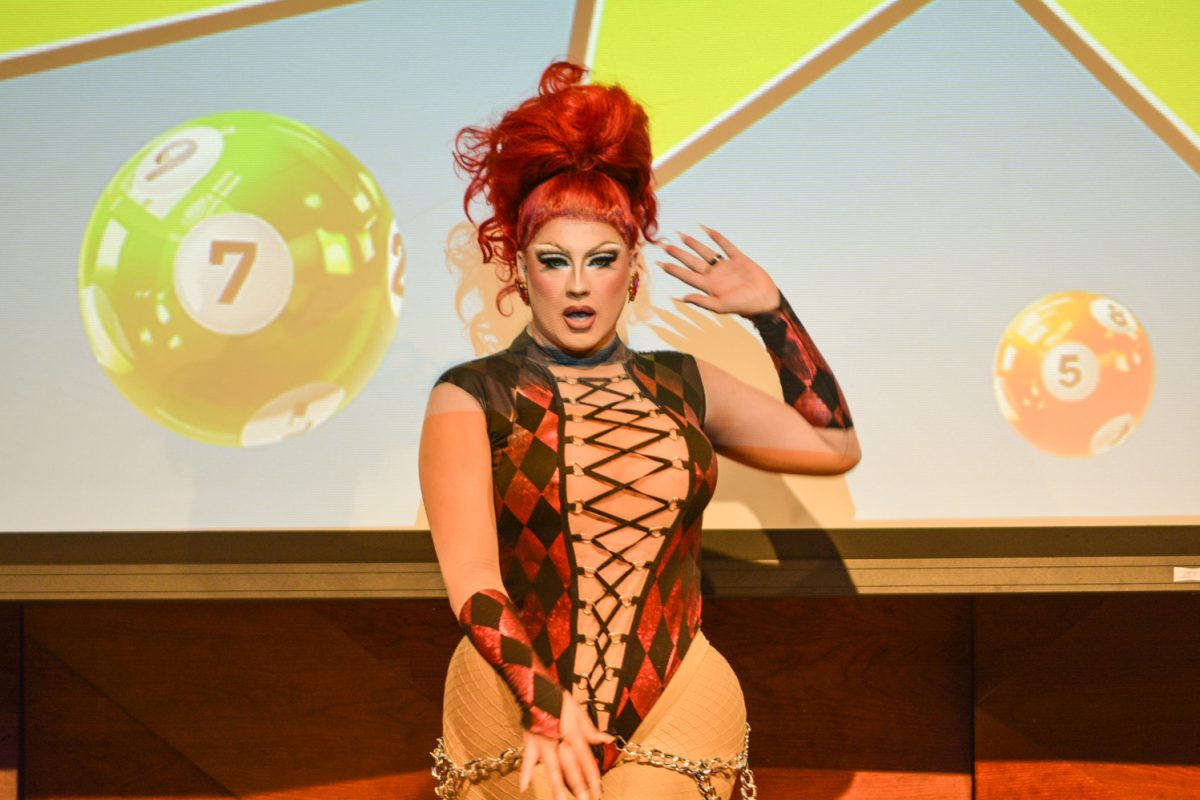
(578, 274)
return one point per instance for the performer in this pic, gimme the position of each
(565, 477)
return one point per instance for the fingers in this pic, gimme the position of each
(692, 261)
(589, 769)
(723, 243)
(554, 770)
(703, 300)
(573, 770)
(528, 760)
(709, 255)
(690, 277)
(599, 737)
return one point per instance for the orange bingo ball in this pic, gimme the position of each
(1074, 373)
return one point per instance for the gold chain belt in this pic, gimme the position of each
(450, 778)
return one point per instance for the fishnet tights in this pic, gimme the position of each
(701, 714)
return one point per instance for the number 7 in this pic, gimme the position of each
(245, 251)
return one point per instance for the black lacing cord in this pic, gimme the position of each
(605, 637)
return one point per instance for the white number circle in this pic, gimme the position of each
(174, 167)
(1070, 372)
(1114, 316)
(293, 413)
(233, 273)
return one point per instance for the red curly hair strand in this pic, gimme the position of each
(573, 150)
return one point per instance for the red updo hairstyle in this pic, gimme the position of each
(573, 150)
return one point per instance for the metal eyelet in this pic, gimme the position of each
(657, 531)
(678, 463)
(673, 434)
(587, 607)
(610, 673)
(627, 600)
(587, 572)
(673, 505)
(581, 681)
(576, 469)
(575, 418)
(590, 641)
(576, 506)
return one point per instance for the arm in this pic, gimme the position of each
(811, 430)
(456, 484)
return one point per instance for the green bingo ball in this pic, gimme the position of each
(241, 278)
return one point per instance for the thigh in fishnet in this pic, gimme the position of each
(480, 719)
(706, 718)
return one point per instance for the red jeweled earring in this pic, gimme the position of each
(633, 286)
(523, 291)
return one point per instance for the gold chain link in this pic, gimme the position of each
(450, 778)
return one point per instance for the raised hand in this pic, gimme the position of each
(728, 280)
(568, 761)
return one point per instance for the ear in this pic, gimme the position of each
(635, 258)
(521, 272)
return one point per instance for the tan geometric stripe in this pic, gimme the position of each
(581, 31)
(61, 54)
(771, 96)
(1137, 98)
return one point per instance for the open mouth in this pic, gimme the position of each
(579, 317)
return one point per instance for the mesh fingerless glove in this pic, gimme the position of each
(807, 382)
(493, 624)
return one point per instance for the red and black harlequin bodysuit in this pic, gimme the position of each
(600, 479)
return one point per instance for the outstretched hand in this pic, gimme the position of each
(728, 280)
(568, 761)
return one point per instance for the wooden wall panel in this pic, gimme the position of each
(245, 699)
(10, 698)
(859, 697)
(1088, 696)
(849, 697)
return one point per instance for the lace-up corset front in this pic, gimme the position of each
(601, 473)
(627, 472)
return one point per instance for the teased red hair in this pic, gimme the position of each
(573, 150)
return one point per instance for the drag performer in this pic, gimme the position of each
(565, 477)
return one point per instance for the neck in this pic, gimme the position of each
(601, 353)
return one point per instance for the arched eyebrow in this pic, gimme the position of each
(562, 249)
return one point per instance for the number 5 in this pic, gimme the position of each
(1068, 369)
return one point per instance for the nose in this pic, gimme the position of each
(577, 284)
